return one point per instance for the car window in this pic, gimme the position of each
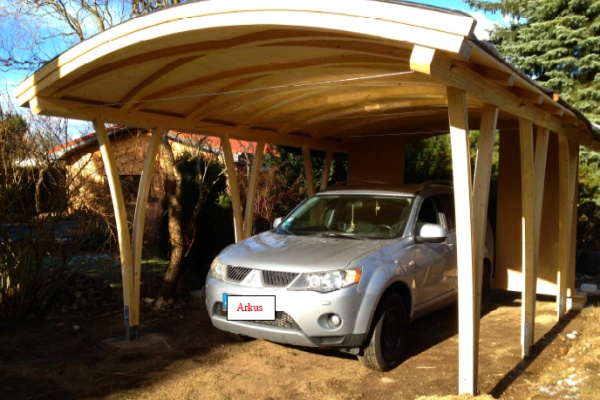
(428, 213)
(437, 209)
(446, 202)
(367, 216)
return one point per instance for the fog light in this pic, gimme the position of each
(335, 320)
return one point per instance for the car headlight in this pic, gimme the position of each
(218, 270)
(327, 281)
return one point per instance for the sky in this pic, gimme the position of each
(9, 80)
(484, 21)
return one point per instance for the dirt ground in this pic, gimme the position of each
(179, 355)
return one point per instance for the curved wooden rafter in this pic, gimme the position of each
(273, 68)
(359, 102)
(130, 99)
(378, 123)
(347, 119)
(201, 108)
(167, 54)
(283, 98)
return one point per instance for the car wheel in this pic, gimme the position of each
(241, 338)
(388, 335)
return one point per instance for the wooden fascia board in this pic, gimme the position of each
(460, 75)
(420, 25)
(70, 109)
(522, 86)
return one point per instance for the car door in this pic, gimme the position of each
(435, 263)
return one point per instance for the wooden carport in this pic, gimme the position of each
(364, 77)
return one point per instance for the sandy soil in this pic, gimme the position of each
(179, 355)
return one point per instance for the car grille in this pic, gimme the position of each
(237, 274)
(278, 278)
(270, 278)
(282, 319)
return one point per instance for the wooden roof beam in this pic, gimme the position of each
(500, 77)
(551, 106)
(528, 95)
(437, 64)
(78, 110)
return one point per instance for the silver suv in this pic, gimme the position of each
(348, 268)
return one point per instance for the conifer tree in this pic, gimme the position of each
(555, 42)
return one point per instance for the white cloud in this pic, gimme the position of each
(484, 25)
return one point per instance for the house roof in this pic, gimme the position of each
(208, 143)
(320, 73)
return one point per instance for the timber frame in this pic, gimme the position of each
(364, 77)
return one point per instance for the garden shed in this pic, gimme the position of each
(364, 77)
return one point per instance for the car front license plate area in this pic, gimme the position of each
(249, 308)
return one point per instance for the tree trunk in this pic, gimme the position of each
(173, 191)
(39, 186)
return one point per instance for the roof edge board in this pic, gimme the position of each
(460, 75)
(550, 96)
(358, 16)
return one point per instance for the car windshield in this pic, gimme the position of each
(351, 216)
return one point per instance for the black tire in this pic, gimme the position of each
(236, 337)
(385, 345)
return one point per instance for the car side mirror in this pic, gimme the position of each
(276, 222)
(430, 233)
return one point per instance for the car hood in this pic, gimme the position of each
(295, 253)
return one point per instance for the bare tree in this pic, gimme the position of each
(183, 225)
(33, 32)
(38, 236)
(173, 192)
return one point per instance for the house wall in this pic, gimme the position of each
(88, 179)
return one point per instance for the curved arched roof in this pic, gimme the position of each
(314, 72)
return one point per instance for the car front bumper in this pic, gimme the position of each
(299, 315)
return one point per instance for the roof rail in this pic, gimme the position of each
(440, 182)
(351, 183)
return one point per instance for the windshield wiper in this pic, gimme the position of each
(340, 235)
(285, 231)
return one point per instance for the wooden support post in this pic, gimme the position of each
(481, 191)
(114, 183)
(568, 153)
(541, 155)
(528, 236)
(234, 190)
(252, 187)
(308, 171)
(139, 219)
(326, 169)
(468, 347)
